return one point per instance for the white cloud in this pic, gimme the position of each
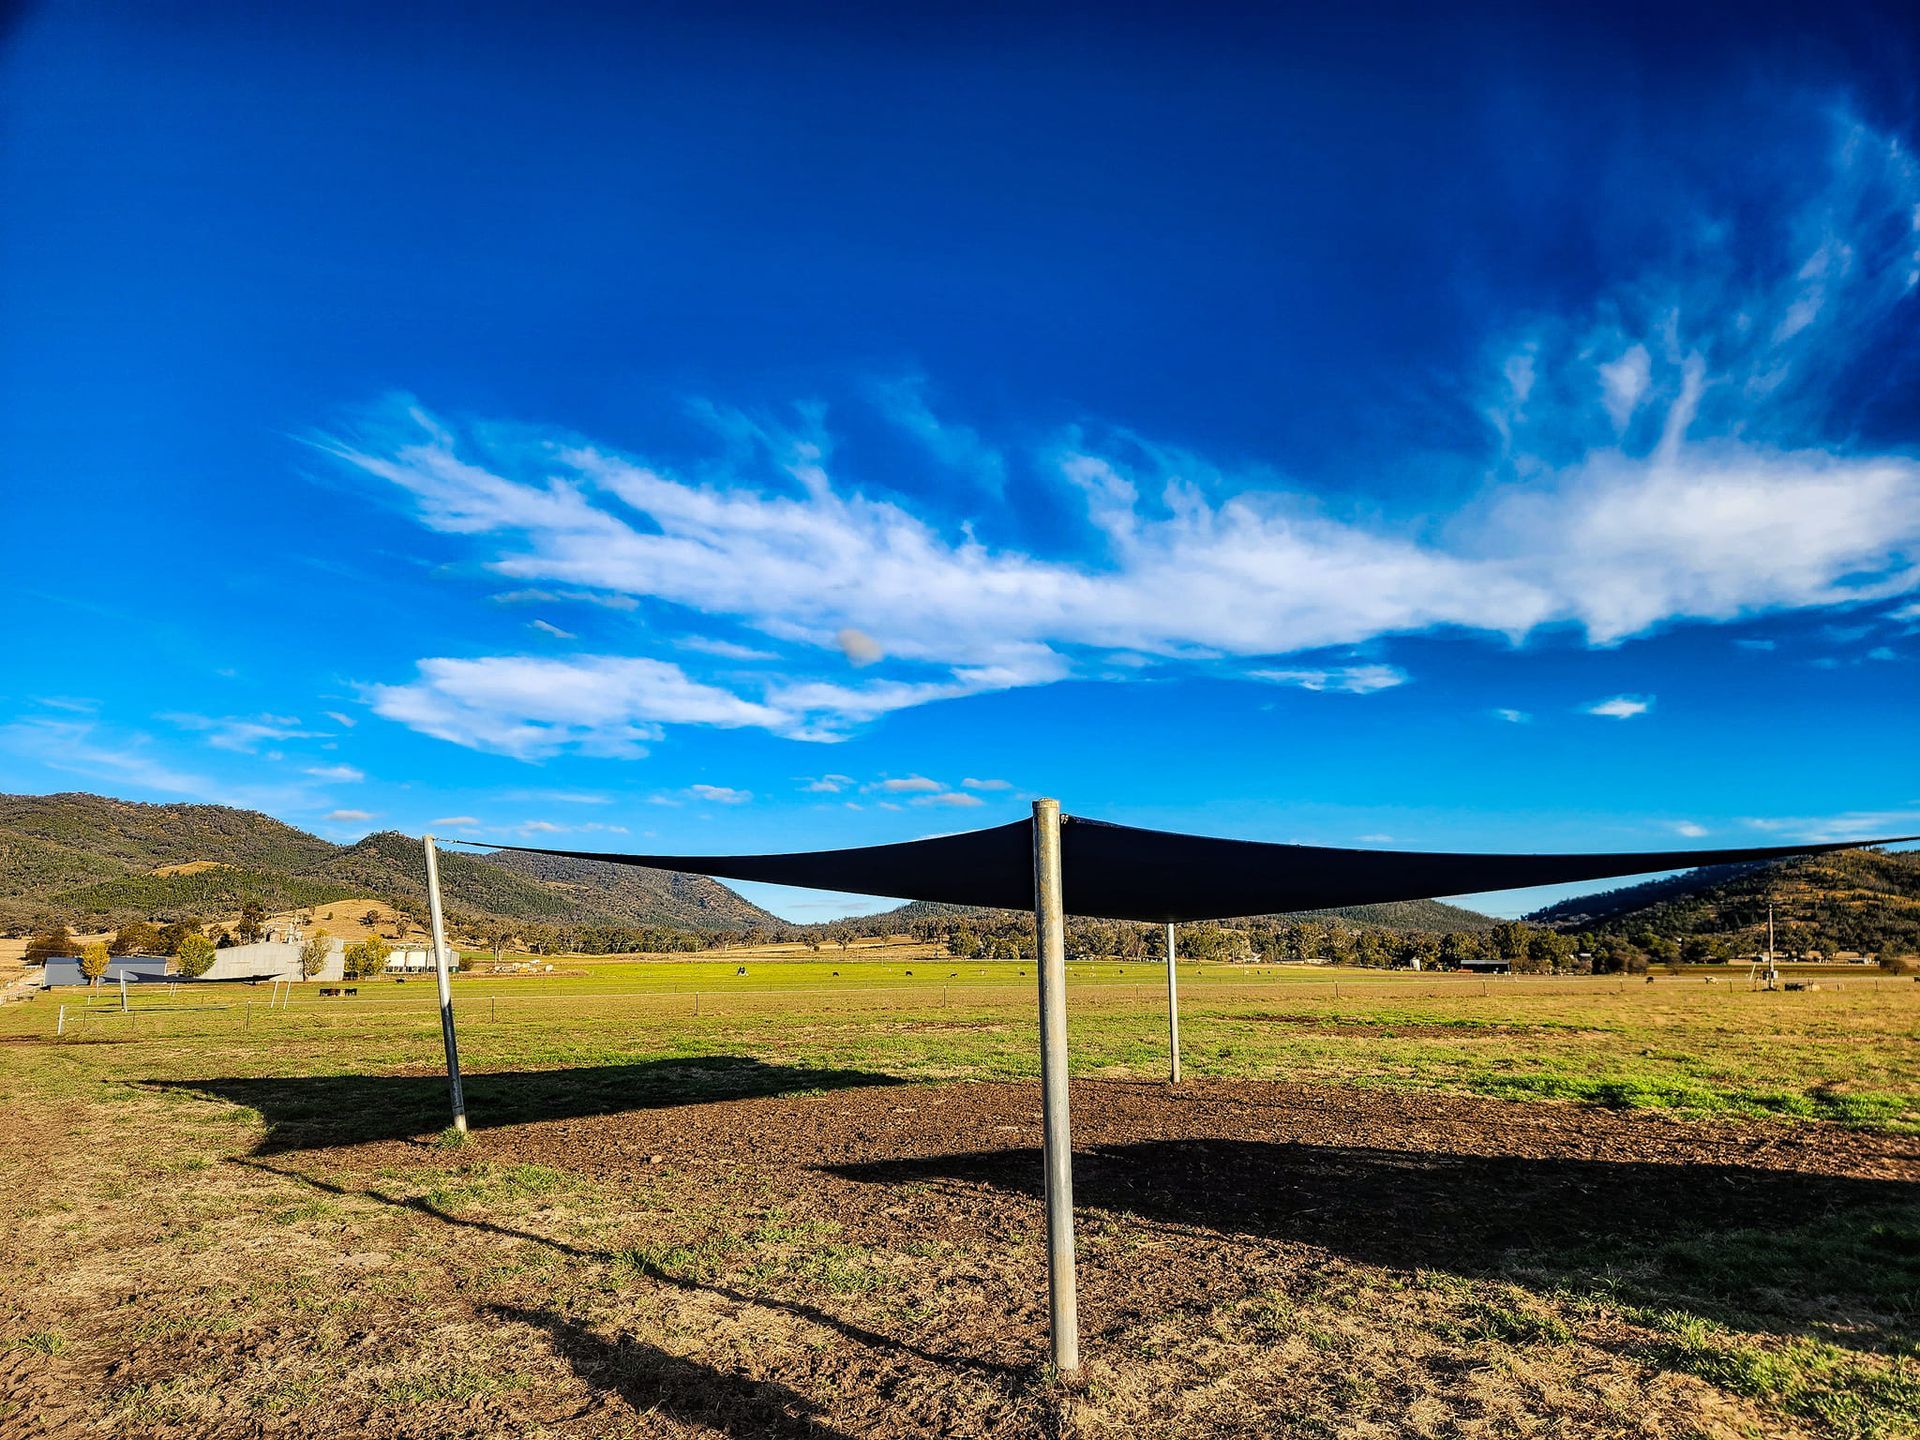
(1726, 504)
(957, 446)
(1620, 707)
(345, 722)
(550, 597)
(244, 733)
(350, 815)
(720, 794)
(950, 797)
(456, 822)
(1513, 717)
(1338, 680)
(1624, 384)
(529, 707)
(343, 774)
(972, 784)
(907, 785)
(725, 649)
(551, 629)
(1855, 825)
(127, 761)
(1689, 828)
(828, 784)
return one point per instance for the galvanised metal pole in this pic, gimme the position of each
(1173, 1014)
(447, 1038)
(1050, 922)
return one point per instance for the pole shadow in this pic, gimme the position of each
(1774, 1250)
(652, 1381)
(305, 1112)
(421, 1205)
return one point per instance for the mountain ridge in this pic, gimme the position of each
(93, 856)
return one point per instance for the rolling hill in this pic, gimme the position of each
(1866, 901)
(79, 856)
(1399, 915)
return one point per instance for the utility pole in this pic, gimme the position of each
(447, 1037)
(1050, 921)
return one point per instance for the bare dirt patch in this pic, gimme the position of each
(821, 1257)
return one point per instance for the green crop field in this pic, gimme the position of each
(798, 1201)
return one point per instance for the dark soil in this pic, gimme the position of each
(1191, 1202)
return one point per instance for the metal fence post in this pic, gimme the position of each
(1173, 1013)
(447, 1038)
(1051, 952)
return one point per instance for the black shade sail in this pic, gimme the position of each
(1118, 872)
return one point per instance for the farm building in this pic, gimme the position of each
(135, 969)
(1486, 965)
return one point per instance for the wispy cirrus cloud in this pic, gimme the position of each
(132, 761)
(244, 733)
(1661, 456)
(1619, 707)
(720, 794)
(1338, 679)
(1853, 825)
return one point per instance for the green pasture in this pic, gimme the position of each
(1842, 1052)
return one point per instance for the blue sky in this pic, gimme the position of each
(698, 428)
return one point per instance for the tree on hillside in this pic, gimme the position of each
(176, 934)
(313, 953)
(220, 938)
(1510, 939)
(253, 922)
(136, 938)
(195, 956)
(1307, 940)
(93, 961)
(1457, 947)
(56, 941)
(1547, 951)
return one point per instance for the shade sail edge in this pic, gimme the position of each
(1120, 872)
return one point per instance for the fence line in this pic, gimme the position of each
(1218, 996)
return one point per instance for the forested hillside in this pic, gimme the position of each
(92, 861)
(1864, 901)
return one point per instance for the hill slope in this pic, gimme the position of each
(1859, 900)
(78, 856)
(1399, 915)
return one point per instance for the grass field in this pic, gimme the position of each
(803, 1202)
